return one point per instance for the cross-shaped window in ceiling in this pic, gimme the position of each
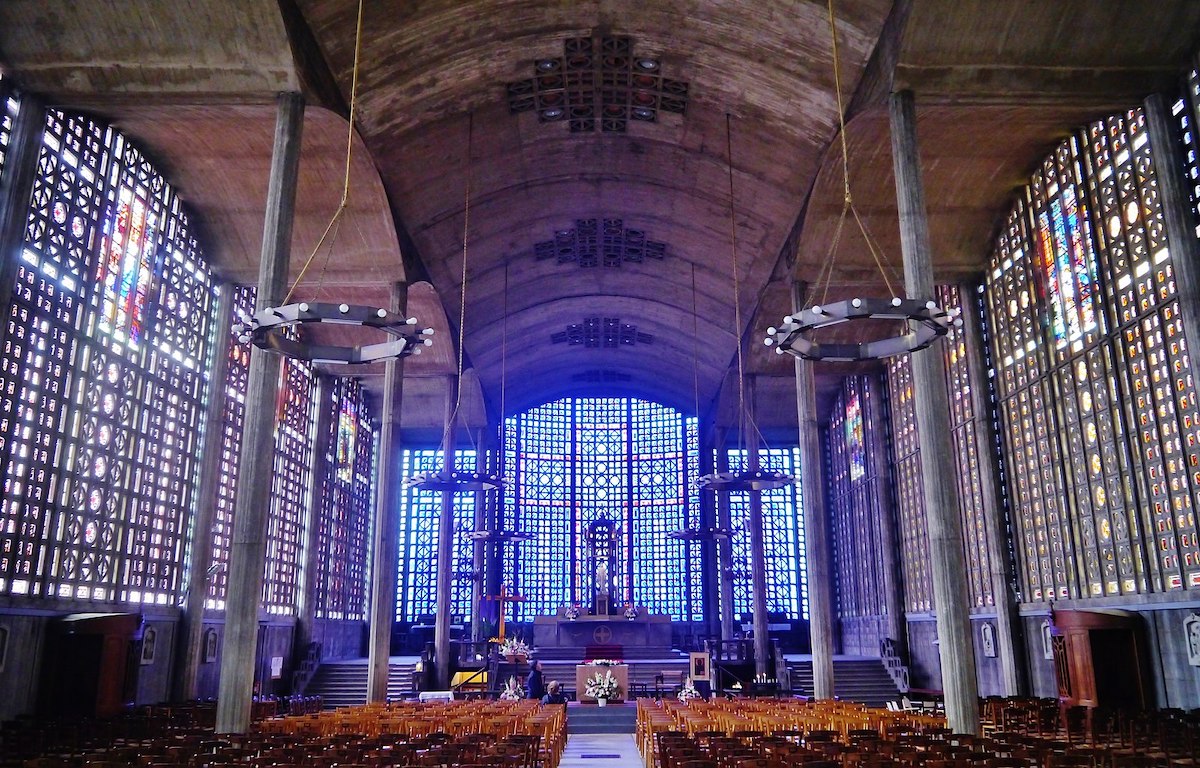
(601, 333)
(592, 243)
(598, 79)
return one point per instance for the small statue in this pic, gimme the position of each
(602, 578)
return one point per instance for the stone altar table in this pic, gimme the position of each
(647, 630)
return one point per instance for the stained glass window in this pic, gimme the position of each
(417, 580)
(291, 468)
(571, 462)
(344, 522)
(106, 340)
(910, 498)
(855, 503)
(783, 538)
(1090, 228)
(233, 414)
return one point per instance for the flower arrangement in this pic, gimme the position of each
(603, 662)
(601, 686)
(689, 691)
(512, 690)
(572, 612)
(631, 611)
(514, 646)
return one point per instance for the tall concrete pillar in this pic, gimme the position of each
(247, 555)
(817, 552)
(1173, 195)
(306, 609)
(484, 521)
(389, 492)
(191, 653)
(1009, 645)
(950, 589)
(758, 554)
(445, 550)
(724, 545)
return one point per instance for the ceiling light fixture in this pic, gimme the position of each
(450, 480)
(759, 479)
(276, 329)
(923, 320)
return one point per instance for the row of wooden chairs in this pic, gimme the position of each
(520, 734)
(779, 733)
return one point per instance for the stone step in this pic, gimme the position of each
(618, 717)
(862, 680)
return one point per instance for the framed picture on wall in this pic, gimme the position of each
(210, 645)
(699, 665)
(149, 640)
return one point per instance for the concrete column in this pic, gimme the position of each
(483, 521)
(710, 580)
(16, 188)
(758, 555)
(816, 522)
(724, 546)
(445, 550)
(1173, 194)
(389, 492)
(1009, 644)
(191, 653)
(319, 470)
(950, 590)
(247, 555)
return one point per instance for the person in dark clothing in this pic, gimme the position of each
(554, 694)
(535, 684)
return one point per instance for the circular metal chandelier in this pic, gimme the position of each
(268, 329)
(745, 482)
(501, 535)
(700, 534)
(926, 321)
(460, 481)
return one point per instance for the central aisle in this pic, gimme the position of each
(601, 750)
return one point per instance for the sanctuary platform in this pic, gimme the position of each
(648, 636)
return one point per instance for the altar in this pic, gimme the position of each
(585, 671)
(558, 631)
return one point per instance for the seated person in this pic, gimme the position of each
(554, 694)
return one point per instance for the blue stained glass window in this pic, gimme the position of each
(417, 583)
(783, 538)
(9, 104)
(578, 460)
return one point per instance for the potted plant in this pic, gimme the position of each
(601, 688)
(631, 611)
(572, 612)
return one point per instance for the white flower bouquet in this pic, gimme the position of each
(604, 662)
(514, 646)
(689, 691)
(601, 686)
(512, 690)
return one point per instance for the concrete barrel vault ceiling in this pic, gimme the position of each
(996, 83)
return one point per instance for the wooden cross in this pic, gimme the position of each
(504, 598)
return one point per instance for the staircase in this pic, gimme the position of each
(589, 718)
(344, 683)
(863, 679)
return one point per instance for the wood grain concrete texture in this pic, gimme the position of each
(996, 84)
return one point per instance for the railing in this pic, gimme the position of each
(302, 675)
(894, 664)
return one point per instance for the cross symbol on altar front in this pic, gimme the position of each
(504, 598)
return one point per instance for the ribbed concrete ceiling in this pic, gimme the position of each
(996, 83)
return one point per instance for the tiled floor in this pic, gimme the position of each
(601, 750)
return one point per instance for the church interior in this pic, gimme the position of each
(751, 345)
